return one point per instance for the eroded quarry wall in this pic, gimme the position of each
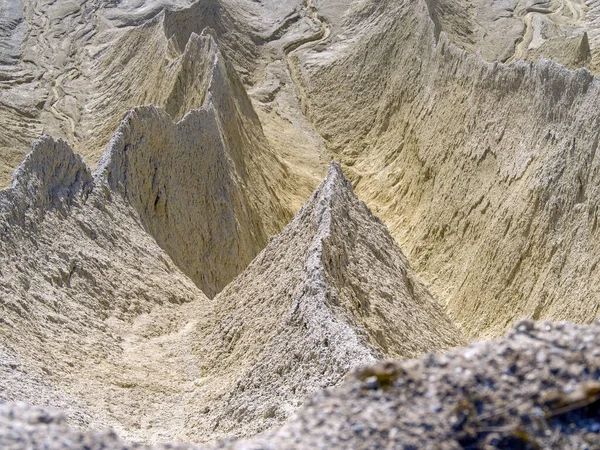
(179, 282)
(484, 172)
(73, 69)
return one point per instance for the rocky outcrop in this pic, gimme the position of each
(331, 292)
(522, 391)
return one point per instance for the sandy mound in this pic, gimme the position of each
(331, 292)
(66, 311)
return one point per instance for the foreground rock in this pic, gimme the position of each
(538, 387)
(331, 292)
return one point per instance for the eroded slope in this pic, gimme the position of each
(73, 69)
(486, 174)
(506, 30)
(104, 332)
(200, 185)
(483, 172)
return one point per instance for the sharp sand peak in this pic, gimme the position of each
(297, 319)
